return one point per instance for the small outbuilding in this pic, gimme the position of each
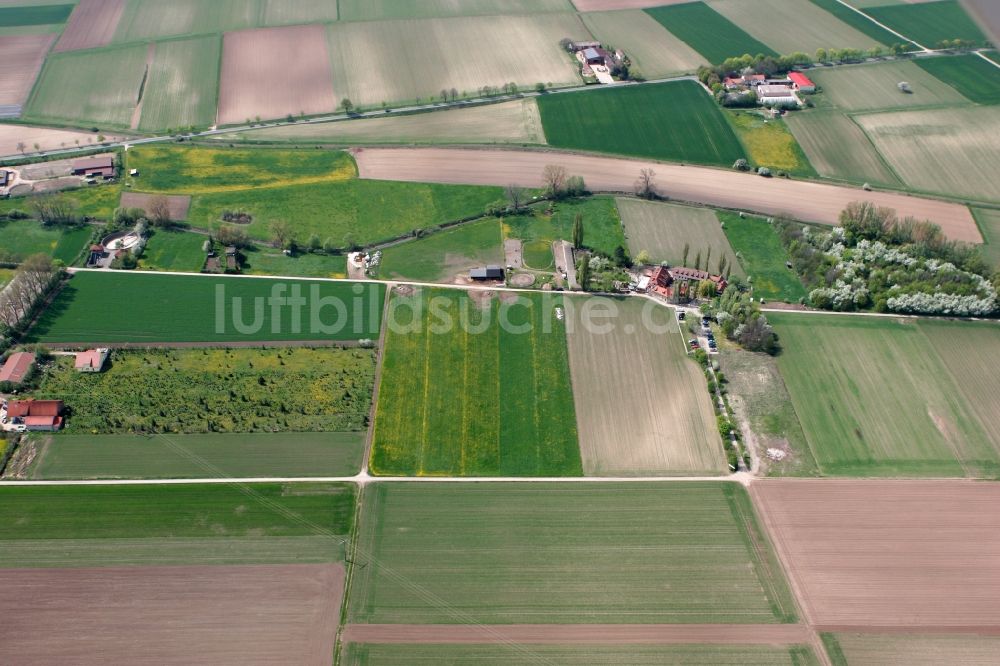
(17, 367)
(802, 83)
(92, 360)
(487, 273)
(5, 177)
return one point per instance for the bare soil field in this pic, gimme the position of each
(941, 150)
(887, 553)
(403, 60)
(257, 80)
(508, 122)
(177, 204)
(625, 426)
(22, 57)
(92, 24)
(807, 201)
(653, 50)
(601, 5)
(599, 634)
(45, 137)
(258, 614)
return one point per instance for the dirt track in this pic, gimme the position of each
(263, 614)
(805, 200)
(888, 553)
(630, 634)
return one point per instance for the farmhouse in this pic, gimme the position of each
(17, 367)
(488, 273)
(5, 177)
(680, 285)
(801, 82)
(773, 95)
(92, 360)
(95, 167)
(36, 414)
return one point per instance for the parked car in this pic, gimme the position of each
(681, 315)
(693, 343)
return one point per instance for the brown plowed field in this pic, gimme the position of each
(804, 200)
(178, 204)
(46, 138)
(600, 5)
(22, 57)
(273, 72)
(266, 614)
(92, 24)
(888, 553)
(626, 634)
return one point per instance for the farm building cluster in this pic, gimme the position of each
(55, 175)
(596, 61)
(44, 415)
(781, 92)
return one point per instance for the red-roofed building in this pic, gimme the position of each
(680, 285)
(801, 82)
(36, 414)
(17, 367)
(91, 360)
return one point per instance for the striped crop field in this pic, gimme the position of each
(475, 385)
(707, 31)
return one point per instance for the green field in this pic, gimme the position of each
(374, 10)
(929, 23)
(174, 251)
(475, 387)
(762, 256)
(79, 526)
(99, 86)
(314, 191)
(446, 253)
(769, 143)
(217, 390)
(914, 649)
(137, 308)
(590, 655)
(6, 275)
(601, 225)
(48, 14)
(22, 238)
(707, 31)
(267, 261)
(970, 75)
(630, 121)
(858, 22)
(838, 148)
(144, 20)
(893, 397)
(623, 553)
(663, 229)
(874, 87)
(216, 455)
(183, 82)
(98, 202)
(989, 224)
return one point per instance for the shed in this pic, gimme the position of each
(487, 273)
(802, 82)
(17, 367)
(92, 360)
(593, 56)
(103, 166)
(4, 177)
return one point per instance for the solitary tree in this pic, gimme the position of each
(554, 177)
(642, 258)
(684, 258)
(21, 147)
(159, 211)
(314, 243)
(281, 233)
(347, 105)
(708, 258)
(722, 264)
(697, 262)
(515, 196)
(645, 186)
(583, 272)
(578, 231)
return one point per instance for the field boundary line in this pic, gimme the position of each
(380, 356)
(363, 479)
